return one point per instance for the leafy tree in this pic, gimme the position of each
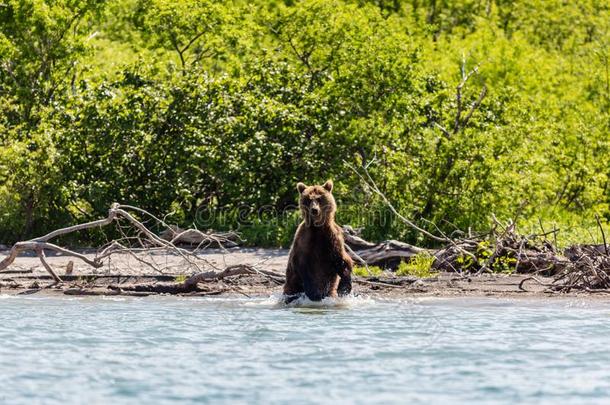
(40, 43)
(187, 105)
(40, 46)
(194, 30)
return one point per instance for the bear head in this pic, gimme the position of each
(317, 203)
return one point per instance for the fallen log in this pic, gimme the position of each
(192, 284)
(230, 271)
(387, 254)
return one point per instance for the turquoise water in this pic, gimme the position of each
(216, 350)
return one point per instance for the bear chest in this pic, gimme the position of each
(318, 249)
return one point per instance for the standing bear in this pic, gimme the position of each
(318, 264)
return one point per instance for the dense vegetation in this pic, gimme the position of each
(214, 110)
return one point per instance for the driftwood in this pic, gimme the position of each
(583, 268)
(588, 270)
(201, 240)
(232, 271)
(390, 251)
(38, 245)
(136, 237)
(501, 249)
(387, 254)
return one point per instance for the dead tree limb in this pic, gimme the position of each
(232, 271)
(41, 255)
(601, 229)
(389, 251)
(147, 241)
(195, 237)
(39, 244)
(370, 183)
(458, 122)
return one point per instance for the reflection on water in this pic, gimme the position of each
(358, 350)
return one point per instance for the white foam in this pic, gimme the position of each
(277, 301)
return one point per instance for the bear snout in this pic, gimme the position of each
(314, 209)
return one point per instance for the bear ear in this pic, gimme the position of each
(328, 185)
(301, 187)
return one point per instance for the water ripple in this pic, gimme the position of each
(354, 350)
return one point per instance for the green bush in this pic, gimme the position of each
(419, 266)
(371, 271)
(212, 111)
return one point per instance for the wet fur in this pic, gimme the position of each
(318, 264)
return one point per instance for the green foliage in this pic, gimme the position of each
(419, 266)
(40, 46)
(500, 263)
(31, 189)
(191, 29)
(362, 271)
(214, 110)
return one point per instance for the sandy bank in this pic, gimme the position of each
(123, 273)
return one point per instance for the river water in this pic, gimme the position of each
(361, 350)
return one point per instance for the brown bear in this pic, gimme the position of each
(318, 264)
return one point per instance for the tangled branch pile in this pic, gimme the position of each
(136, 239)
(501, 249)
(588, 270)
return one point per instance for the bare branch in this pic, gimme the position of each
(370, 183)
(443, 129)
(146, 240)
(457, 124)
(41, 255)
(474, 106)
(601, 228)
